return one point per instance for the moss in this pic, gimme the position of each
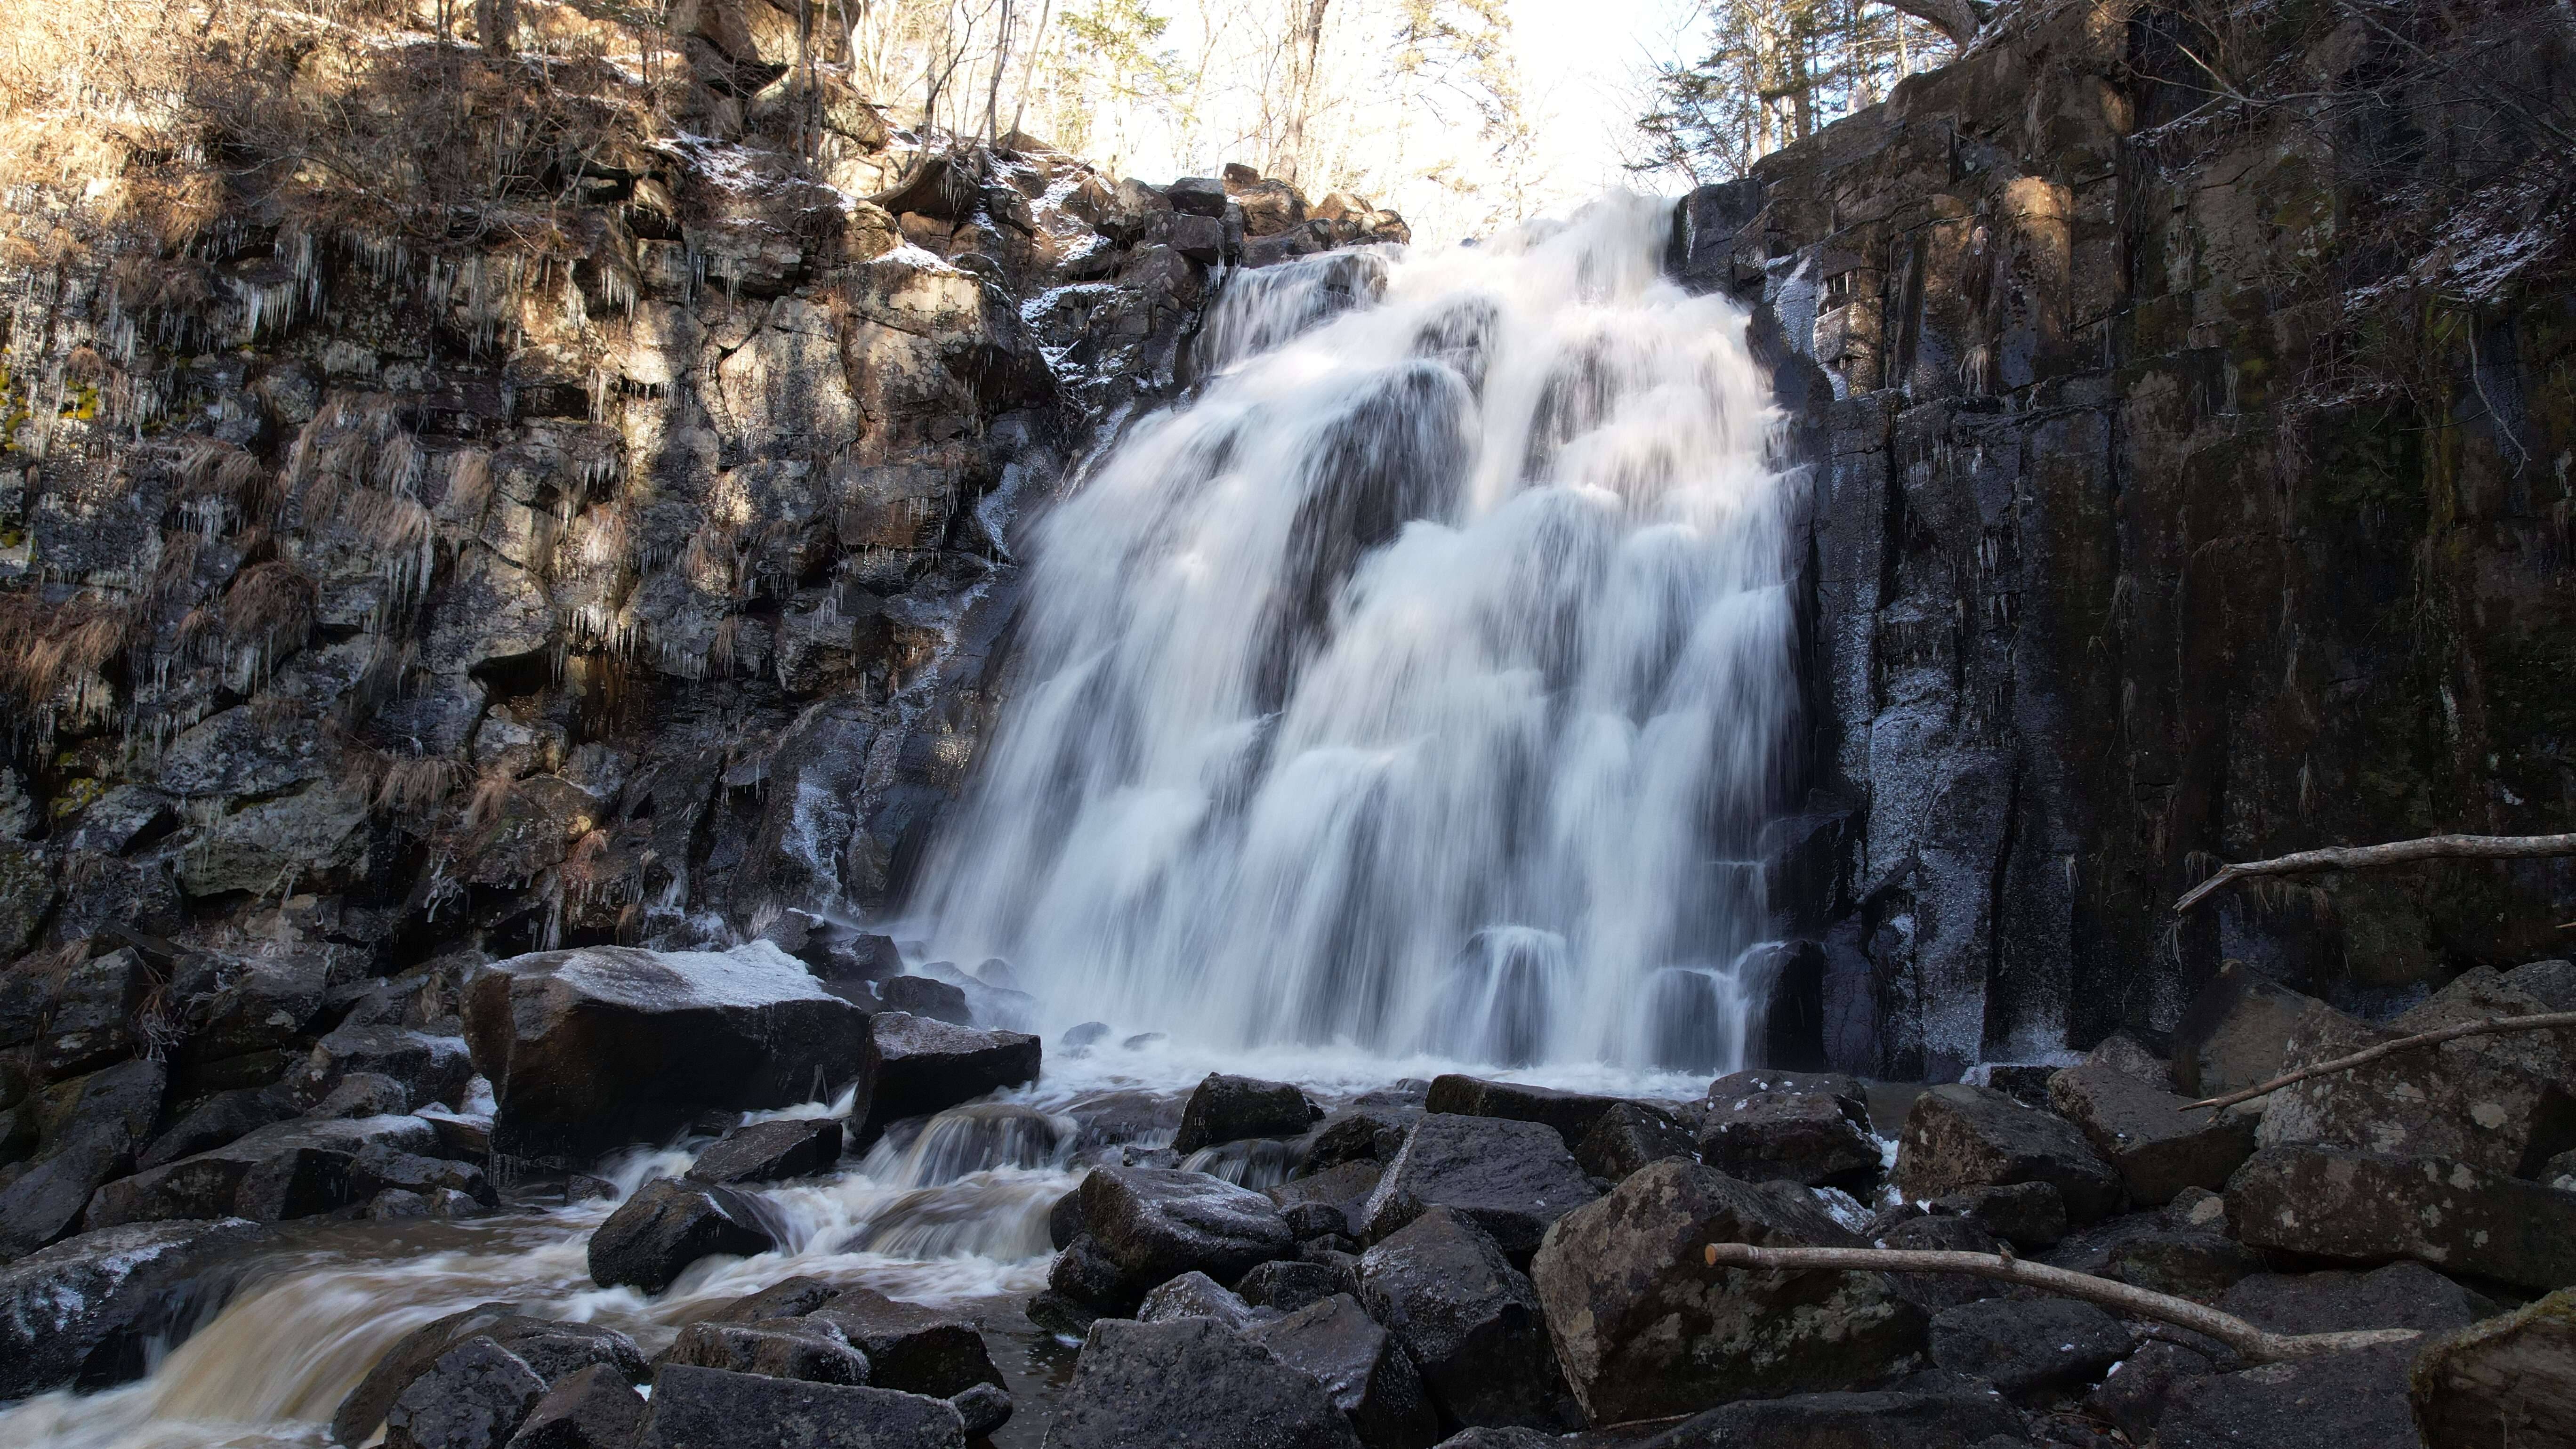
(76, 795)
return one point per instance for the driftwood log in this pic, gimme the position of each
(2396, 852)
(2255, 1345)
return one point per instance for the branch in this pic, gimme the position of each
(1957, 19)
(2254, 1345)
(2542, 1022)
(2399, 852)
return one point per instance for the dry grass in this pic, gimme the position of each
(269, 607)
(44, 647)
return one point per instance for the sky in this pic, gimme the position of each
(1580, 60)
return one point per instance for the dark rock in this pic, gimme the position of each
(1630, 1135)
(911, 1067)
(1933, 1292)
(364, 1094)
(1572, 1114)
(1645, 1328)
(1314, 1220)
(925, 997)
(786, 1298)
(595, 1408)
(787, 1348)
(1076, 1037)
(474, 1396)
(1084, 1273)
(83, 1313)
(2508, 1381)
(669, 1224)
(291, 1170)
(1359, 1134)
(554, 1350)
(1197, 196)
(2157, 1148)
(1190, 1381)
(379, 1166)
(1229, 1109)
(1500, 1438)
(696, 1407)
(91, 1024)
(982, 1408)
(771, 1151)
(2338, 1401)
(1287, 1286)
(1195, 1295)
(1344, 1188)
(1335, 1342)
(2328, 1202)
(1064, 1220)
(2024, 1082)
(2025, 1214)
(1954, 1420)
(2235, 1034)
(2027, 1346)
(2123, 1052)
(1154, 1224)
(1960, 1136)
(1512, 1178)
(2134, 1395)
(431, 1067)
(2402, 1295)
(909, 1347)
(106, 1118)
(746, 1030)
(1470, 1323)
(2504, 1104)
(2187, 1263)
(1810, 1128)
(265, 1006)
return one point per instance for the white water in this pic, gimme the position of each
(1418, 687)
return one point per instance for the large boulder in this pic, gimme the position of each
(595, 1408)
(1512, 1178)
(1572, 1114)
(911, 1066)
(2157, 1148)
(83, 1313)
(554, 1350)
(1645, 1327)
(431, 1067)
(696, 1407)
(1190, 1381)
(909, 1347)
(2027, 1346)
(1804, 1127)
(1959, 1136)
(224, 1117)
(1333, 1341)
(769, 1151)
(595, 1048)
(2329, 1202)
(1229, 1109)
(1469, 1321)
(1153, 1224)
(1954, 1419)
(474, 1396)
(667, 1225)
(1630, 1135)
(294, 1169)
(2505, 1382)
(786, 1348)
(107, 1118)
(1196, 1295)
(1344, 1189)
(2236, 1033)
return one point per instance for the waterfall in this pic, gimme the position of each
(1419, 684)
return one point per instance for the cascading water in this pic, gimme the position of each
(1419, 685)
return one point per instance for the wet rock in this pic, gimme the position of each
(554, 1350)
(82, 1313)
(1287, 1285)
(1333, 1341)
(2329, 1202)
(910, 1067)
(380, 1166)
(223, 1118)
(669, 1224)
(2501, 1103)
(1630, 1135)
(594, 1408)
(106, 1118)
(266, 1005)
(909, 1347)
(2402, 1295)
(1359, 1134)
(1470, 1323)
(2235, 1034)
(2339, 1401)
(364, 1094)
(291, 1170)
(474, 1396)
(2157, 1148)
(1500, 1438)
(1190, 1381)
(1933, 1292)
(787, 1348)
(1154, 1224)
(927, 998)
(983, 1409)
(1512, 1178)
(2028, 1346)
(1959, 1136)
(2187, 1263)
(1344, 1188)
(746, 1029)
(1645, 1328)
(771, 1151)
(1853, 1421)
(1083, 1273)
(431, 1067)
(1229, 1109)
(1572, 1114)
(1195, 1295)
(1804, 1127)
(91, 1024)
(695, 1407)
(2134, 1394)
(2508, 1381)
(2025, 1214)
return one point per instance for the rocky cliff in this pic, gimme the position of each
(2189, 473)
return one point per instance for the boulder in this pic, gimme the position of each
(786, 1348)
(1933, 1292)
(364, 1094)
(1154, 1224)
(1190, 1381)
(83, 1313)
(2025, 1214)
(2157, 1148)
(1470, 1323)
(1958, 1136)
(2330, 1202)
(1287, 1285)
(2235, 1034)
(595, 1408)
(770, 1151)
(2133, 1395)
(291, 1170)
(1572, 1114)
(554, 1350)
(264, 1006)
(594, 1048)
(2028, 1346)
(2505, 1382)
(1359, 1134)
(982, 1409)
(1197, 196)
(1512, 1178)
(1195, 1295)
(1644, 1327)
(474, 1396)
(1803, 1127)
(1344, 1188)
(1229, 1109)
(696, 1407)
(1945, 1420)
(1630, 1135)
(430, 1066)
(669, 1224)
(2500, 1103)
(106, 1118)
(92, 1021)
(926, 997)
(1333, 1341)
(909, 1347)
(2401, 1295)
(2186, 1262)
(910, 1066)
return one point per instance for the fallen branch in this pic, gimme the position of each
(2254, 1345)
(2396, 852)
(2544, 1021)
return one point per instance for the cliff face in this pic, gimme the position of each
(2189, 483)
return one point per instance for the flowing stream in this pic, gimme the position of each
(1410, 697)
